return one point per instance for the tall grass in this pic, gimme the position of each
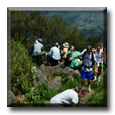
(21, 69)
(40, 94)
(100, 96)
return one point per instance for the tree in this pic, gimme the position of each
(26, 27)
(93, 40)
(19, 26)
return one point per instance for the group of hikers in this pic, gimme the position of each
(90, 61)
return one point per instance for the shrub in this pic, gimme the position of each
(21, 73)
(40, 94)
(100, 96)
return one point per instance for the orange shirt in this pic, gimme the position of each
(64, 52)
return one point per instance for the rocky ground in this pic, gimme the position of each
(44, 76)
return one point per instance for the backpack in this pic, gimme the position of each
(92, 61)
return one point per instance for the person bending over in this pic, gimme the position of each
(67, 97)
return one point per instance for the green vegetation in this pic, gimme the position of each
(40, 94)
(21, 69)
(93, 40)
(87, 22)
(27, 27)
(56, 73)
(100, 97)
(67, 82)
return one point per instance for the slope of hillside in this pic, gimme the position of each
(88, 22)
(21, 65)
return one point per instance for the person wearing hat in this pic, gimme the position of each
(31, 51)
(93, 50)
(69, 53)
(67, 97)
(65, 50)
(54, 55)
(39, 48)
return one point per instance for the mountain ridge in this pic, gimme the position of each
(87, 22)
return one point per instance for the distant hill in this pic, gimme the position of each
(88, 22)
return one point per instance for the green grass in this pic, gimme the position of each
(67, 82)
(56, 73)
(100, 96)
(22, 80)
(21, 69)
(40, 94)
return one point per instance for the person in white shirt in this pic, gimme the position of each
(103, 49)
(99, 61)
(38, 47)
(69, 96)
(54, 55)
(87, 65)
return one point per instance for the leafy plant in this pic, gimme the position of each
(100, 96)
(40, 94)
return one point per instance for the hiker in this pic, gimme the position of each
(54, 55)
(31, 51)
(99, 60)
(93, 50)
(87, 65)
(70, 49)
(101, 46)
(67, 97)
(66, 61)
(60, 51)
(58, 45)
(39, 49)
(104, 54)
(65, 50)
(76, 62)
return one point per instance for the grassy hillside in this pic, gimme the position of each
(22, 81)
(21, 73)
(23, 85)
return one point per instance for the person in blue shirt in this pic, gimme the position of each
(39, 49)
(54, 55)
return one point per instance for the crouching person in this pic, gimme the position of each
(39, 49)
(69, 97)
(54, 55)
